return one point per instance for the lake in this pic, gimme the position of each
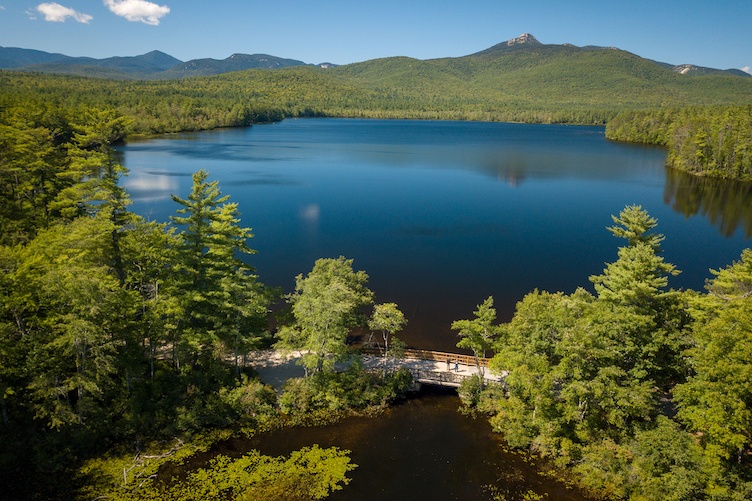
(443, 214)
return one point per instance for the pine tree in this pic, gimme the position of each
(219, 291)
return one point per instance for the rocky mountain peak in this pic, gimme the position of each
(525, 38)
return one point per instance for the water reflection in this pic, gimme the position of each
(149, 186)
(726, 204)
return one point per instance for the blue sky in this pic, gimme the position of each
(715, 33)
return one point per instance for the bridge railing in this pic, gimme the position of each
(438, 356)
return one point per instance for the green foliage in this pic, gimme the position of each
(470, 391)
(69, 301)
(589, 379)
(709, 141)
(54, 163)
(478, 334)
(250, 400)
(388, 319)
(640, 274)
(355, 389)
(325, 305)
(660, 462)
(311, 473)
(716, 401)
(222, 301)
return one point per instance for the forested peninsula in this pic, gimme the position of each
(122, 340)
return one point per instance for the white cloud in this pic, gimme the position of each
(747, 69)
(56, 13)
(138, 10)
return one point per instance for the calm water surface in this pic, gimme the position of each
(443, 214)
(421, 449)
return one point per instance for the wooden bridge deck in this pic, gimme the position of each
(427, 367)
(436, 367)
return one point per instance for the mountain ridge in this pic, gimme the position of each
(157, 65)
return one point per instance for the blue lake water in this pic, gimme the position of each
(443, 214)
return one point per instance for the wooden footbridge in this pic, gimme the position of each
(436, 368)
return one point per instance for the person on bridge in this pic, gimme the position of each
(456, 365)
(447, 363)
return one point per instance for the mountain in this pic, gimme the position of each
(13, 57)
(527, 79)
(112, 67)
(524, 50)
(153, 61)
(236, 62)
(691, 69)
(153, 65)
(526, 40)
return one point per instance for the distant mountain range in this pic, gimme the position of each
(157, 65)
(153, 65)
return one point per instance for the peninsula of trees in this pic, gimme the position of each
(642, 391)
(120, 337)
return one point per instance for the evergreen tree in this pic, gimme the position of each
(220, 295)
(716, 401)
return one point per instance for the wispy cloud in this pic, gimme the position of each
(747, 69)
(56, 13)
(138, 10)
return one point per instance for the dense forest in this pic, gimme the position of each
(122, 341)
(643, 392)
(119, 336)
(710, 141)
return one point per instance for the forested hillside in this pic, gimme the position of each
(536, 83)
(532, 83)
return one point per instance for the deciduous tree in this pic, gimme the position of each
(388, 319)
(478, 334)
(326, 305)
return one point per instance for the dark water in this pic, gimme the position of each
(420, 449)
(443, 214)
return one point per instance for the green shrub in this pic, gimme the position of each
(470, 390)
(355, 389)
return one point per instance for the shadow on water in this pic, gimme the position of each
(727, 204)
(423, 448)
